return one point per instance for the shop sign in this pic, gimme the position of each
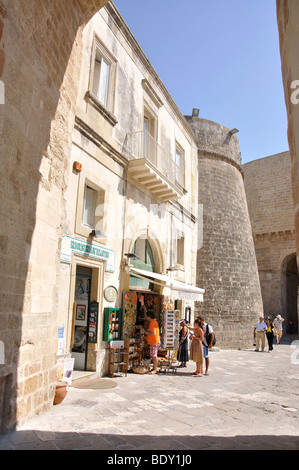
(71, 245)
(187, 296)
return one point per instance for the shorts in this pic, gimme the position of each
(205, 351)
(154, 349)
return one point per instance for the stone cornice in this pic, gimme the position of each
(92, 99)
(101, 143)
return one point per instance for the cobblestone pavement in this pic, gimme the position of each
(250, 401)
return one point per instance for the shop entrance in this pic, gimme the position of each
(81, 309)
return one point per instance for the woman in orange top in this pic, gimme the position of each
(153, 339)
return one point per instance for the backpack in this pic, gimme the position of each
(208, 337)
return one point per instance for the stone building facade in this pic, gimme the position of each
(271, 209)
(136, 158)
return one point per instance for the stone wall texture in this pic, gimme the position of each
(39, 51)
(271, 209)
(269, 195)
(288, 26)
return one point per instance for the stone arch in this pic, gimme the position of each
(40, 50)
(289, 289)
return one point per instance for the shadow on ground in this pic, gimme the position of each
(43, 440)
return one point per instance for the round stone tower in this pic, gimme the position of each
(226, 262)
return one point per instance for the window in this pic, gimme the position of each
(145, 261)
(93, 213)
(102, 82)
(180, 166)
(101, 78)
(149, 137)
(89, 207)
(180, 249)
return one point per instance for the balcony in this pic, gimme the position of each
(152, 167)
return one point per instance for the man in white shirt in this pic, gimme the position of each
(260, 333)
(278, 325)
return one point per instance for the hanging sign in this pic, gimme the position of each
(71, 245)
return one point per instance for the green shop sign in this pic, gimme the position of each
(71, 245)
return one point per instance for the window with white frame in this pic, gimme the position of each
(89, 207)
(93, 207)
(102, 80)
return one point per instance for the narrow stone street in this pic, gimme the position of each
(249, 401)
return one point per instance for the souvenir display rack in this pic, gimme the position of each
(170, 329)
(123, 356)
(118, 358)
(169, 339)
(112, 324)
(134, 352)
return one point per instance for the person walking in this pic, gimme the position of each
(269, 333)
(196, 351)
(208, 336)
(153, 339)
(278, 321)
(183, 352)
(260, 333)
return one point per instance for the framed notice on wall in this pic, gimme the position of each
(93, 322)
(81, 312)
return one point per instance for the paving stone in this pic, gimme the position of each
(175, 412)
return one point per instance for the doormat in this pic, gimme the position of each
(94, 384)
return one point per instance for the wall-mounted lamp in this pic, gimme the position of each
(195, 112)
(234, 131)
(77, 167)
(131, 256)
(97, 234)
(172, 268)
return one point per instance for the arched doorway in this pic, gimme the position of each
(289, 290)
(143, 295)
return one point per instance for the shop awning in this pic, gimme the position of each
(181, 290)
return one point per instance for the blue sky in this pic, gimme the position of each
(221, 57)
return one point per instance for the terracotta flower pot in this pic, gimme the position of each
(60, 393)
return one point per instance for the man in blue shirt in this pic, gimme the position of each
(260, 333)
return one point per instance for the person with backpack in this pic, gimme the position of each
(209, 341)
